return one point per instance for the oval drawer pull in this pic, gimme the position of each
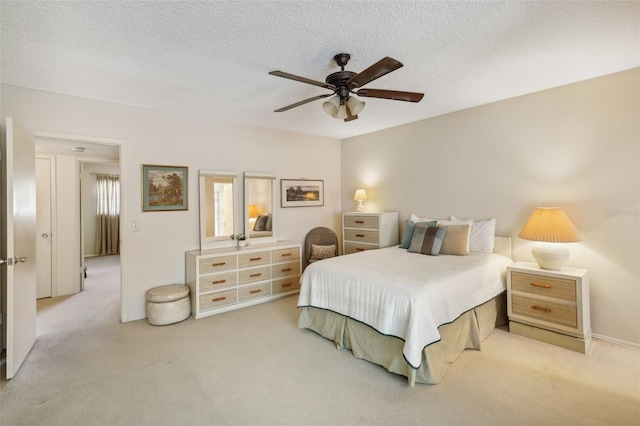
(359, 221)
(218, 299)
(219, 264)
(254, 275)
(255, 291)
(286, 254)
(287, 285)
(253, 259)
(219, 282)
(359, 249)
(360, 235)
(540, 285)
(541, 309)
(285, 269)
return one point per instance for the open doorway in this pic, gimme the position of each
(76, 162)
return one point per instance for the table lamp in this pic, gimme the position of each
(360, 196)
(550, 227)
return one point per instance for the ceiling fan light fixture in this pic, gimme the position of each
(355, 105)
(332, 106)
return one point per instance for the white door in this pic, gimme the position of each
(19, 269)
(43, 227)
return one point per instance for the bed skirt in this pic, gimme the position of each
(466, 332)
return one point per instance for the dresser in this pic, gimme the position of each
(367, 231)
(548, 305)
(225, 279)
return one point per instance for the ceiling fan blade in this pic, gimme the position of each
(390, 94)
(306, 101)
(302, 79)
(382, 67)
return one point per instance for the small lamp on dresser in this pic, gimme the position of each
(551, 229)
(360, 196)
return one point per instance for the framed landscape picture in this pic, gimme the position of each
(164, 188)
(301, 193)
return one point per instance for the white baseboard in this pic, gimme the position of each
(616, 341)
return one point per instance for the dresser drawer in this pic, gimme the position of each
(360, 236)
(218, 299)
(557, 313)
(218, 281)
(558, 288)
(254, 259)
(210, 265)
(355, 247)
(356, 221)
(286, 284)
(254, 291)
(285, 270)
(286, 255)
(251, 275)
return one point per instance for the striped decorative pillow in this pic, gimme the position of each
(427, 239)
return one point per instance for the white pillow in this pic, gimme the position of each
(482, 234)
(469, 222)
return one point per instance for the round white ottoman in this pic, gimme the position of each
(168, 304)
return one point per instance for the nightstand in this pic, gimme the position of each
(549, 305)
(367, 231)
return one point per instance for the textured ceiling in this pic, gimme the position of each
(211, 59)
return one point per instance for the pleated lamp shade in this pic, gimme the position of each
(549, 226)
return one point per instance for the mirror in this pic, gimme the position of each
(259, 214)
(218, 209)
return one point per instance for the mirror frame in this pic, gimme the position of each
(274, 194)
(223, 240)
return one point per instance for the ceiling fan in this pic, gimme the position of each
(343, 84)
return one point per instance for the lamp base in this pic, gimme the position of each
(550, 255)
(360, 206)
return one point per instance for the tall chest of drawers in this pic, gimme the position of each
(221, 280)
(549, 305)
(367, 231)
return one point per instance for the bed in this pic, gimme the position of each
(410, 313)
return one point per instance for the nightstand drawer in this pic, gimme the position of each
(557, 313)
(355, 247)
(218, 281)
(217, 264)
(357, 221)
(361, 236)
(558, 288)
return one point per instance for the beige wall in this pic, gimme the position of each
(155, 255)
(576, 146)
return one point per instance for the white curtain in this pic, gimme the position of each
(107, 214)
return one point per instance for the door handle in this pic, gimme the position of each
(13, 260)
(22, 259)
(45, 235)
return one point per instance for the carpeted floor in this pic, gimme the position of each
(255, 367)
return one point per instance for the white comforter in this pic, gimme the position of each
(402, 294)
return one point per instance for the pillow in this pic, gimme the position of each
(416, 219)
(427, 239)
(408, 232)
(261, 221)
(455, 240)
(322, 252)
(482, 235)
(269, 223)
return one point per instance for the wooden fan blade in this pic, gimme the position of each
(306, 101)
(302, 79)
(383, 67)
(390, 94)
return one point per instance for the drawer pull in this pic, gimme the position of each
(287, 285)
(540, 285)
(285, 269)
(360, 235)
(359, 221)
(254, 275)
(219, 264)
(286, 254)
(253, 259)
(541, 309)
(219, 282)
(255, 291)
(359, 249)
(218, 299)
